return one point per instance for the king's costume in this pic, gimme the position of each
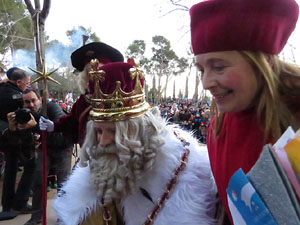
(178, 188)
(191, 202)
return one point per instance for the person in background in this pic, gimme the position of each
(74, 124)
(16, 143)
(256, 95)
(197, 123)
(59, 151)
(134, 168)
(11, 91)
(51, 180)
(3, 77)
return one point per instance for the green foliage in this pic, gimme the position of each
(15, 27)
(162, 52)
(51, 43)
(136, 49)
(165, 62)
(75, 35)
(68, 83)
(182, 65)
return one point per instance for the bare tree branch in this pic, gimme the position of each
(183, 7)
(178, 7)
(46, 8)
(19, 37)
(173, 10)
(9, 27)
(30, 7)
(37, 4)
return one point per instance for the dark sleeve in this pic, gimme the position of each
(54, 111)
(21, 142)
(57, 140)
(69, 124)
(3, 125)
(10, 101)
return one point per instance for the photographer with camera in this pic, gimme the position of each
(16, 143)
(11, 91)
(59, 152)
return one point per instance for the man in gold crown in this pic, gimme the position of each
(134, 169)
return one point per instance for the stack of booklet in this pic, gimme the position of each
(270, 192)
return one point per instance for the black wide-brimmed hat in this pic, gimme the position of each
(95, 50)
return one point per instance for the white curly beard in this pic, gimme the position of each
(111, 175)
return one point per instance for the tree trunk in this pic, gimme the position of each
(197, 82)
(174, 93)
(180, 94)
(166, 85)
(38, 18)
(159, 88)
(186, 95)
(154, 91)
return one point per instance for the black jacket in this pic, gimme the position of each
(10, 99)
(22, 142)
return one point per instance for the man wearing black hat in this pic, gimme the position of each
(10, 101)
(73, 124)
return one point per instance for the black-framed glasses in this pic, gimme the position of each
(29, 101)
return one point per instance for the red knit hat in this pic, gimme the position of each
(117, 91)
(255, 25)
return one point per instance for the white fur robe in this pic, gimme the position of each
(191, 203)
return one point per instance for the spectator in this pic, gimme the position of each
(59, 152)
(176, 118)
(16, 143)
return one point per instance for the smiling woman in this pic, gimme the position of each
(256, 96)
(230, 78)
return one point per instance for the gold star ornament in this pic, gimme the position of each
(44, 75)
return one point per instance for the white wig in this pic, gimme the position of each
(83, 80)
(137, 141)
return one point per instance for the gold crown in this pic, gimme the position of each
(118, 105)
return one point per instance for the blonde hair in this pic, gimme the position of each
(280, 80)
(137, 141)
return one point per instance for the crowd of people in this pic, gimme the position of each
(142, 164)
(190, 115)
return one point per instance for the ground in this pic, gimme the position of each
(21, 219)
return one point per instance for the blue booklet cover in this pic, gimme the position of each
(245, 205)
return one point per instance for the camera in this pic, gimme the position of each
(23, 115)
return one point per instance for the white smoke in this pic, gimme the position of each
(57, 54)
